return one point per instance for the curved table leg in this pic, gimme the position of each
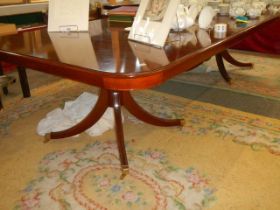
(116, 103)
(225, 54)
(131, 105)
(5, 89)
(1, 105)
(23, 82)
(222, 69)
(95, 114)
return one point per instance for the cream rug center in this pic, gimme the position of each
(90, 179)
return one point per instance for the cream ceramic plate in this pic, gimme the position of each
(205, 17)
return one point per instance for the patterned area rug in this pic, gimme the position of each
(220, 159)
(262, 80)
(90, 179)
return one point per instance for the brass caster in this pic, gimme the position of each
(47, 138)
(182, 122)
(125, 172)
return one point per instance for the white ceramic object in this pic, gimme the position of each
(237, 11)
(220, 30)
(275, 2)
(214, 3)
(254, 12)
(183, 19)
(193, 11)
(259, 5)
(205, 17)
(273, 9)
(224, 9)
(220, 27)
(182, 22)
(181, 14)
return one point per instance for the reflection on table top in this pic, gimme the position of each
(105, 50)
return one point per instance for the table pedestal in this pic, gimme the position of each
(114, 99)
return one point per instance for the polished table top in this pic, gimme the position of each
(104, 57)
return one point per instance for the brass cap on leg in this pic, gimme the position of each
(124, 171)
(182, 122)
(47, 137)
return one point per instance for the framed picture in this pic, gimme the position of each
(153, 21)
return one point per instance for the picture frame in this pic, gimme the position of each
(153, 21)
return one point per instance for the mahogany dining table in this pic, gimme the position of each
(104, 57)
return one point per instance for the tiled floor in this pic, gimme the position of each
(240, 101)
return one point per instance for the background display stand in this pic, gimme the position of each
(151, 19)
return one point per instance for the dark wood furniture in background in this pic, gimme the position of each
(264, 40)
(24, 15)
(29, 15)
(118, 72)
(4, 82)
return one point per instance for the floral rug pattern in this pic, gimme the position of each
(90, 179)
(203, 118)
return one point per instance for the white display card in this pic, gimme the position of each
(68, 15)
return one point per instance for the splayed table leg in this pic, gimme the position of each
(114, 99)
